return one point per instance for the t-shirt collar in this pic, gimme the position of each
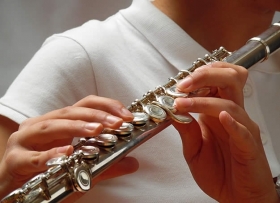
(164, 34)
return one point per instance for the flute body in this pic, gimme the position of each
(152, 113)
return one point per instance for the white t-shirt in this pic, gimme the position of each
(123, 57)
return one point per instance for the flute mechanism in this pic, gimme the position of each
(152, 113)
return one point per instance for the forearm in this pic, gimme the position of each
(7, 184)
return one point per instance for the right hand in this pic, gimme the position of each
(42, 138)
(223, 147)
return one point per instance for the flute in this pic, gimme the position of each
(152, 113)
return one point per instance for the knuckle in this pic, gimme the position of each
(35, 159)
(65, 111)
(116, 103)
(11, 155)
(26, 123)
(200, 74)
(94, 115)
(91, 113)
(44, 125)
(12, 140)
(219, 64)
(110, 101)
(72, 125)
(89, 98)
(233, 107)
(244, 73)
(235, 76)
(239, 73)
(233, 73)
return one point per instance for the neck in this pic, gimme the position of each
(217, 23)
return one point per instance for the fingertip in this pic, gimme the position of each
(127, 115)
(184, 84)
(242, 143)
(183, 105)
(97, 127)
(65, 150)
(226, 119)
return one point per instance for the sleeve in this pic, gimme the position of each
(58, 75)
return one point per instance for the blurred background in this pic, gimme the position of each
(24, 25)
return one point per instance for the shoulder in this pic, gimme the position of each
(96, 37)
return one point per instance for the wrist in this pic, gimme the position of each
(7, 183)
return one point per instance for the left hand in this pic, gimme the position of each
(44, 137)
(223, 148)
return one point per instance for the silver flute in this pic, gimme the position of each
(152, 113)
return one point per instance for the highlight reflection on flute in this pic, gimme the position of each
(205, 147)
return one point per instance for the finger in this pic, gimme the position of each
(219, 64)
(206, 105)
(48, 131)
(34, 162)
(78, 113)
(211, 106)
(242, 143)
(246, 139)
(111, 106)
(229, 79)
(219, 71)
(249, 164)
(191, 137)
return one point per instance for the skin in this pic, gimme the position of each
(224, 132)
(223, 148)
(226, 23)
(60, 127)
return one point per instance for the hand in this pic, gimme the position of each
(42, 138)
(223, 148)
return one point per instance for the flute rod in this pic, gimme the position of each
(258, 48)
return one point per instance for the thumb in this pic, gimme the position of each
(191, 138)
(243, 146)
(36, 161)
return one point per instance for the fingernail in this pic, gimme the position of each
(92, 126)
(230, 120)
(183, 104)
(62, 150)
(112, 119)
(185, 83)
(126, 112)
